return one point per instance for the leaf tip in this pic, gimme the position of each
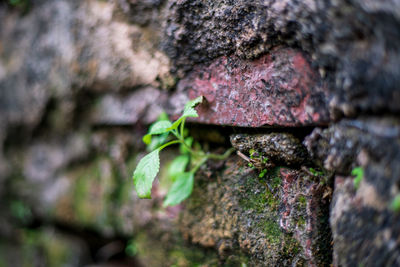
(147, 139)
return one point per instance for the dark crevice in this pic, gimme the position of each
(200, 131)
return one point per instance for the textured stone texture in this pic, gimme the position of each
(46, 247)
(143, 104)
(278, 148)
(279, 89)
(364, 227)
(365, 230)
(353, 44)
(62, 45)
(81, 80)
(345, 145)
(279, 220)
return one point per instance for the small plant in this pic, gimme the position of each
(257, 161)
(358, 172)
(131, 248)
(395, 205)
(315, 172)
(158, 138)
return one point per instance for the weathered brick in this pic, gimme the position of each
(279, 89)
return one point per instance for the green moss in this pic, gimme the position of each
(189, 256)
(236, 260)
(291, 247)
(131, 248)
(266, 198)
(175, 253)
(272, 230)
(301, 221)
(23, 5)
(80, 194)
(92, 195)
(52, 248)
(21, 211)
(3, 259)
(275, 177)
(56, 250)
(302, 200)
(276, 182)
(256, 202)
(271, 200)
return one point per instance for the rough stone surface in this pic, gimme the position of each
(345, 145)
(365, 230)
(278, 148)
(44, 158)
(47, 247)
(279, 89)
(129, 109)
(364, 227)
(353, 44)
(278, 220)
(80, 81)
(65, 45)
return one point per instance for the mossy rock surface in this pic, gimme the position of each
(278, 220)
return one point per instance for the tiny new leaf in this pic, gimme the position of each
(188, 111)
(395, 205)
(358, 172)
(180, 190)
(159, 127)
(145, 173)
(156, 141)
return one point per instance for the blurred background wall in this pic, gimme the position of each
(80, 82)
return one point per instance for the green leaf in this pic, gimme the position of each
(262, 173)
(180, 190)
(131, 249)
(188, 111)
(395, 205)
(159, 127)
(163, 117)
(147, 139)
(177, 166)
(157, 141)
(358, 172)
(194, 102)
(145, 173)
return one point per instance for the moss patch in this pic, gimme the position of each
(175, 253)
(272, 230)
(256, 202)
(290, 249)
(43, 245)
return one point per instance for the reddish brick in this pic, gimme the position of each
(278, 89)
(304, 204)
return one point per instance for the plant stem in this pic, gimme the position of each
(168, 144)
(174, 132)
(182, 126)
(221, 157)
(207, 156)
(203, 160)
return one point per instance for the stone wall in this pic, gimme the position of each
(312, 85)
